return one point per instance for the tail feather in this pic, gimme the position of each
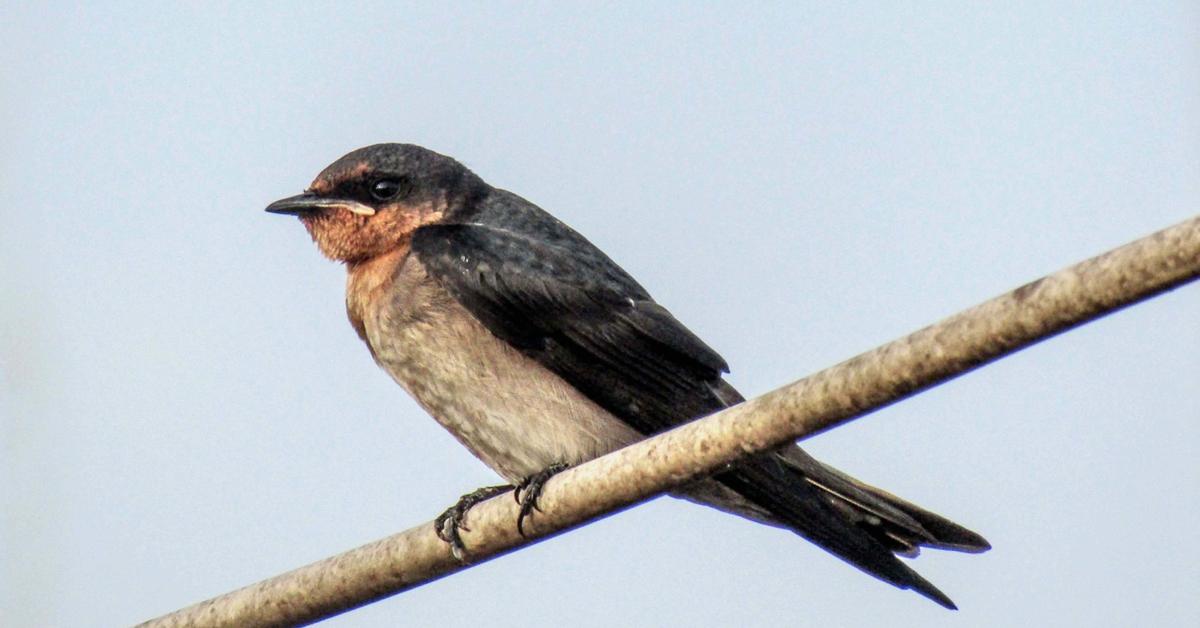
(909, 526)
(863, 525)
(801, 507)
(858, 523)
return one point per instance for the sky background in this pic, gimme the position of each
(184, 408)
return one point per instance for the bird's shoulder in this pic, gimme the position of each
(506, 234)
(545, 289)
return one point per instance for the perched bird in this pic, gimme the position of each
(538, 352)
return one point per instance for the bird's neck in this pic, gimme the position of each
(367, 282)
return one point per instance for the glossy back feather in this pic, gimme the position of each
(540, 286)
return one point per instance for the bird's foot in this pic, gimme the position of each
(529, 489)
(450, 522)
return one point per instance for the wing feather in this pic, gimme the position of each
(543, 288)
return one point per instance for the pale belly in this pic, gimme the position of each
(511, 412)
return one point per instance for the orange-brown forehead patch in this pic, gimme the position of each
(320, 185)
(332, 176)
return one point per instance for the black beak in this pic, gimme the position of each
(308, 203)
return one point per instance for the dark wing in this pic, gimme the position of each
(543, 288)
(547, 291)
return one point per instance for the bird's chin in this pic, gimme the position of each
(335, 232)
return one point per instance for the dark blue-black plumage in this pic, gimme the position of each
(539, 285)
(544, 289)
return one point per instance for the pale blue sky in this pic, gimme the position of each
(184, 408)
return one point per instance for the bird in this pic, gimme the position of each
(538, 352)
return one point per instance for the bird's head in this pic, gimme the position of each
(370, 201)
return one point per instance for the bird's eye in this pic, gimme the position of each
(387, 189)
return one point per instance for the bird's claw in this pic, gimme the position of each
(447, 524)
(531, 488)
